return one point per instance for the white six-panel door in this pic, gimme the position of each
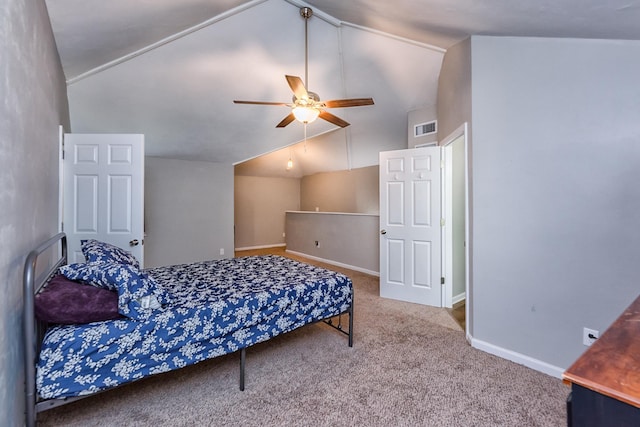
(410, 235)
(104, 191)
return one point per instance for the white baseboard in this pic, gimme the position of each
(251, 248)
(336, 263)
(457, 298)
(519, 358)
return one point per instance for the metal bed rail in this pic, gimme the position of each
(34, 330)
(339, 327)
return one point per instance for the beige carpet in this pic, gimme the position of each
(410, 366)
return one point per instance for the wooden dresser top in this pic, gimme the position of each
(611, 366)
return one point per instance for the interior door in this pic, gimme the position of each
(104, 191)
(410, 259)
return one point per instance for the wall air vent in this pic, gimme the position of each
(423, 129)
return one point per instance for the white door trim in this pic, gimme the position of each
(462, 130)
(60, 178)
(446, 209)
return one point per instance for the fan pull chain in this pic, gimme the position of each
(305, 137)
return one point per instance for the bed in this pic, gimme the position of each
(150, 321)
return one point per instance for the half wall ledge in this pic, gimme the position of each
(344, 238)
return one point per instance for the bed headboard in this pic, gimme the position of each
(33, 328)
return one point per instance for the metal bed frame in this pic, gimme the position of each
(34, 329)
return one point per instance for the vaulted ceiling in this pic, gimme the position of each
(171, 68)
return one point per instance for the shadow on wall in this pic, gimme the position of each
(354, 191)
(261, 202)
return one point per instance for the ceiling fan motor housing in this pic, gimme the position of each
(311, 96)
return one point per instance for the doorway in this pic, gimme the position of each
(455, 212)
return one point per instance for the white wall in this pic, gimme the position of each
(453, 110)
(353, 191)
(454, 90)
(188, 211)
(556, 166)
(260, 206)
(34, 104)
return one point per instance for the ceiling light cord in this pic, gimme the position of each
(347, 133)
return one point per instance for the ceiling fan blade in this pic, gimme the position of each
(333, 119)
(260, 103)
(353, 102)
(296, 85)
(286, 121)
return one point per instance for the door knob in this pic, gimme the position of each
(134, 242)
(383, 231)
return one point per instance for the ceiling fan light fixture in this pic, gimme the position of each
(306, 106)
(305, 114)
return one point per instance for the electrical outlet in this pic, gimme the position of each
(317, 244)
(589, 336)
(221, 251)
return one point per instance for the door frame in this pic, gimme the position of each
(447, 237)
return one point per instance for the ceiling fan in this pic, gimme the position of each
(306, 105)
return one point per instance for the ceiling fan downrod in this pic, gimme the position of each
(306, 13)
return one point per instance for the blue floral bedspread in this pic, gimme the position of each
(219, 307)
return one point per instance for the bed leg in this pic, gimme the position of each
(31, 414)
(351, 324)
(243, 356)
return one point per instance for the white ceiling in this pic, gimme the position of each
(171, 68)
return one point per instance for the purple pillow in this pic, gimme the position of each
(68, 302)
(138, 293)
